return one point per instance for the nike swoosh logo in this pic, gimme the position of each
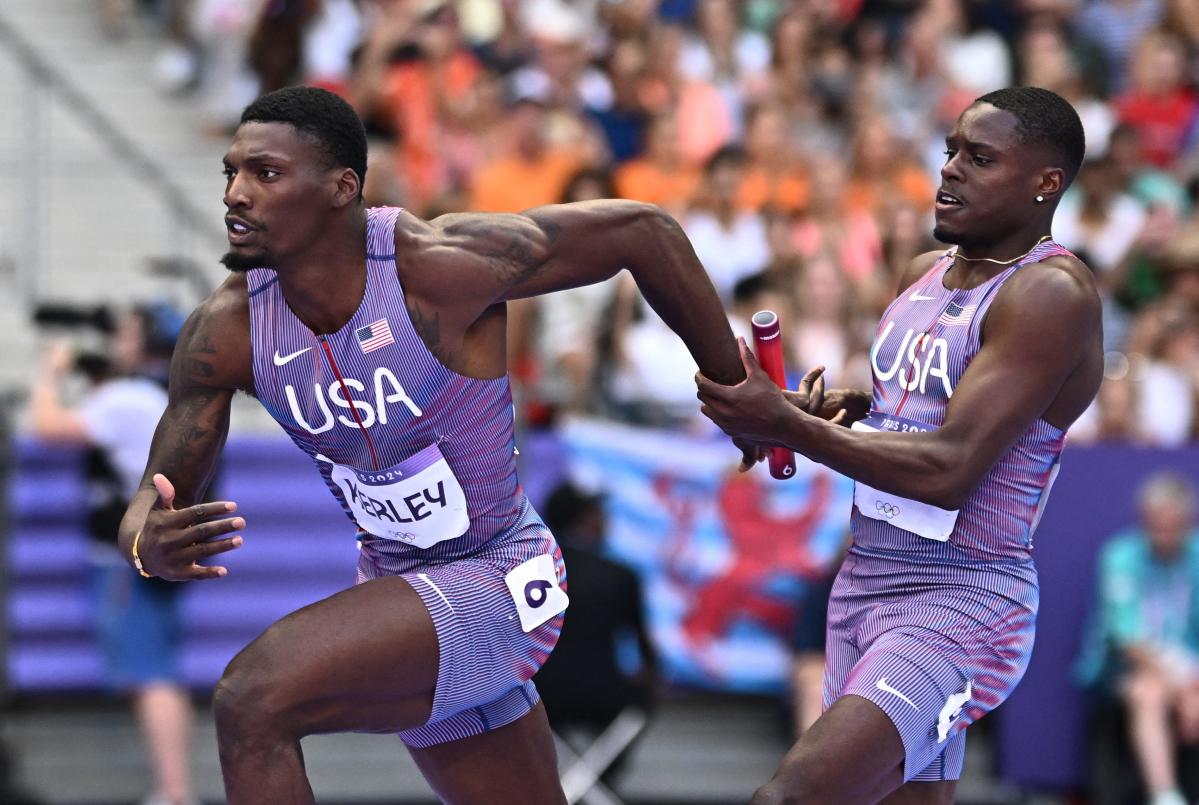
(916, 296)
(882, 685)
(436, 589)
(280, 361)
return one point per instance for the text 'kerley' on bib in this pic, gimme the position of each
(418, 501)
(921, 519)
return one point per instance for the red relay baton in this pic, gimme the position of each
(768, 341)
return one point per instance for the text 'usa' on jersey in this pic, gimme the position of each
(372, 406)
(925, 342)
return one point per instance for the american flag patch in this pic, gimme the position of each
(375, 335)
(956, 314)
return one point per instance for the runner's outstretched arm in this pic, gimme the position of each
(210, 363)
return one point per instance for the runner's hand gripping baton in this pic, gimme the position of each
(768, 342)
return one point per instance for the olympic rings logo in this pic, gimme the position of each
(888, 510)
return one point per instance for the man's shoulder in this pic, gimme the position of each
(920, 265)
(1059, 288)
(215, 341)
(229, 301)
(1057, 283)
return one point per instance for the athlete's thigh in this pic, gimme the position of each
(513, 765)
(362, 660)
(853, 753)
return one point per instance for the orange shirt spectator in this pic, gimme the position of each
(530, 172)
(881, 171)
(908, 182)
(788, 192)
(641, 180)
(774, 175)
(415, 96)
(514, 183)
(660, 176)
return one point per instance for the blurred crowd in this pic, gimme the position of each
(798, 142)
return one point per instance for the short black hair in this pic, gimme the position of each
(321, 115)
(1044, 119)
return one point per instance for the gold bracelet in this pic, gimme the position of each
(137, 560)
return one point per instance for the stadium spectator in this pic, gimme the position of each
(824, 329)
(551, 338)
(585, 684)
(830, 225)
(1158, 103)
(1165, 343)
(828, 118)
(137, 620)
(730, 241)
(1114, 26)
(530, 171)
(774, 176)
(660, 175)
(1143, 650)
(416, 78)
(1098, 217)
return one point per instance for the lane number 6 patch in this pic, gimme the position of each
(534, 588)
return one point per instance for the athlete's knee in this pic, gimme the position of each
(805, 779)
(248, 702)
(801, 782)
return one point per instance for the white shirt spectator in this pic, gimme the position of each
(120, 417)
(729, 254)
(1106, 244)
(656, 369)
(979, 61)
(1166, 405)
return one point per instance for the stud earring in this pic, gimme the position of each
(1040, 198)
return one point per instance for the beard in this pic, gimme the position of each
(942, 236)
(244, 261)
(951, 237)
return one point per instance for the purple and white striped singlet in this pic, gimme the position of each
(932, 615)
(422, 460)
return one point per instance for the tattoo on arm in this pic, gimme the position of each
(203, 344)
(199, 368)
(187, 435)
(514, 261)
(428, 327)
(551, 229)
(512, 250)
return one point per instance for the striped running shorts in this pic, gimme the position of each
(936, 647)
(487, 660)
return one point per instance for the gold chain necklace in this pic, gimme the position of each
(1003, 262)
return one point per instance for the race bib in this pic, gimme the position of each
(534, 588)
(418, 501)
(921, 519)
